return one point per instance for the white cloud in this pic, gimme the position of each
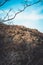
(32, 16)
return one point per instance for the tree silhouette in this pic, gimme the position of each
(25, 5)
(3, 2)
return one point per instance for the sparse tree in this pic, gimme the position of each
(3, 2)
(25, 5)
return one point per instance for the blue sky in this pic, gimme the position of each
(32, 17)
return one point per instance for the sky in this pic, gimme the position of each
(32, 17)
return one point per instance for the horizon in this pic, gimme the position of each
(32, 17)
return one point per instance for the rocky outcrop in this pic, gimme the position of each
(20, 45)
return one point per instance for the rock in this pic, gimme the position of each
(20, 45)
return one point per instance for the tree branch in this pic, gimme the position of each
(2, 3)
(25, 6)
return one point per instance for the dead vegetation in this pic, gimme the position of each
(20, 45)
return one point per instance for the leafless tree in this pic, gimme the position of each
(3, 2)
(25, 5)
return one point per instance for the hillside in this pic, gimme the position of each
(20, 45)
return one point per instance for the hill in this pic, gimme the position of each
(20, 45)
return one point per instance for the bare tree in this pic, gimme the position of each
(3, 2)
(25, 5)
